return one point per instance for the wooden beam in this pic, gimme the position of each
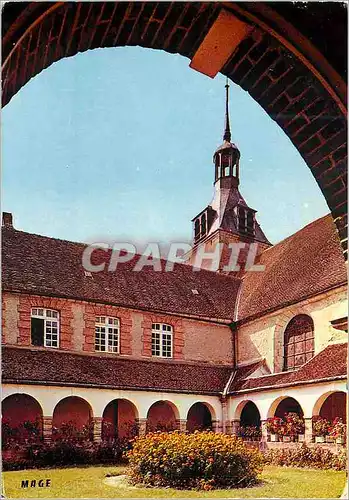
(220, 42)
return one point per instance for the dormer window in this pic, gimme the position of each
(202, 224)
(246, 221)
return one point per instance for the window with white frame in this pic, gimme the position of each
(44, 327)
(107, 334)
(161, 340)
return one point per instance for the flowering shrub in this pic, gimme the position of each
(303, 456)
(293, 424)
(201, 460)
(69, 432)
(28, 432)
(321, 426)
(274, 425)
(127, 429)
(338, 428)
(61, 453)
(250, 432)
(161, 426)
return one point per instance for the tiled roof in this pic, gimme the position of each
(304, 264)
(24, 365)
(330, 363)
(48, 266)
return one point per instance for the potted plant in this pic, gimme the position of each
(293, 427)
(321, 428)
(338, 430)
(250, 432)
(274, 428)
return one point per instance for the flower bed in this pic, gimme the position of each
(250, 433)
(304, 456)
(202, 460)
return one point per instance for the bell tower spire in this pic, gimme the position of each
(227, 134)
(227, 219)
(226, 157)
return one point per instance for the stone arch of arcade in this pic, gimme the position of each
(285, 404)
(331, 405)
(201, 416)
(120, 417)
(266, 49)
(20, 409)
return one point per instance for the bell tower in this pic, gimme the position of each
(228, 218)
(227, 156)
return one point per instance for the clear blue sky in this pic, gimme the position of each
(117, 144)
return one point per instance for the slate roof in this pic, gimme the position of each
(304, 264)
(224, 202)
(330, 363)
(54, 367)
(48, 266)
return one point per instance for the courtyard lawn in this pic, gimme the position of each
(87, 482)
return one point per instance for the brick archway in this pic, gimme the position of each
(119, 420)
(22, 415)
(200, 416)
(162, 416)
(72, 419)
(251, 43)
(331, 405)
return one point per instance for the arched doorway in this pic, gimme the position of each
(162, 416)
(21, 419)
(250, 422)
(199, 417)
(119, 420)
(334, 406)
(288, 405)
(72, 419)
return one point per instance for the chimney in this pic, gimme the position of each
(7, 219)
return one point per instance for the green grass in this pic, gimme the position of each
(87, 482)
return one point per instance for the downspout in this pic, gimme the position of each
(233, 328)
(224, 402)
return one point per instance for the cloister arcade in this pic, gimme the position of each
(102, 416)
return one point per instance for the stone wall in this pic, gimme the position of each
(263, 337)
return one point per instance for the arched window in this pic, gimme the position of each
(298, 342)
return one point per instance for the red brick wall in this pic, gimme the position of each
(178, 334)
(27, 302)
(93, 310)
(77, 328)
